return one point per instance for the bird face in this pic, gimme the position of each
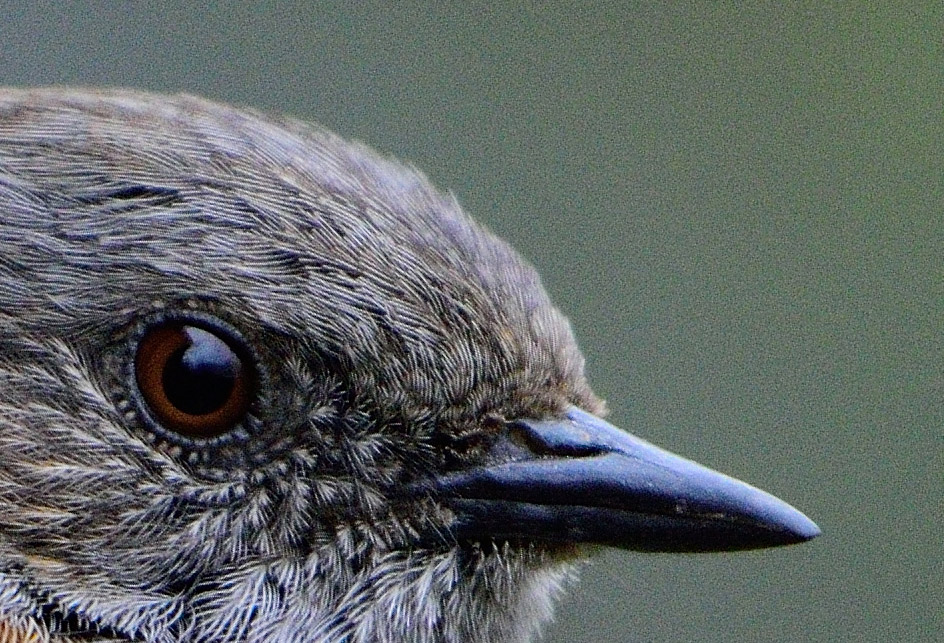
(259, 384)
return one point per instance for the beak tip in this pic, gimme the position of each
(784, 524)
(805, 529)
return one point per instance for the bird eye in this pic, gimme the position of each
(193, 380)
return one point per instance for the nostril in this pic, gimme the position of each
(527, 438)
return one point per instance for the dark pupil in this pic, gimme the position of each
(199, 377)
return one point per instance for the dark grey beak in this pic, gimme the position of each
(582, 480)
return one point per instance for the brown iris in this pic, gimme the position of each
(193, 380)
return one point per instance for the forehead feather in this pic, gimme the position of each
(131, 193)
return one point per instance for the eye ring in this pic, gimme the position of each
(196, 379)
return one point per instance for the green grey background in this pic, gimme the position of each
(740, 209)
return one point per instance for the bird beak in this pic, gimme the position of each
(582, 480)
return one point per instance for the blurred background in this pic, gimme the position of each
(741, 211)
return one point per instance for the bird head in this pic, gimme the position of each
(258, 383)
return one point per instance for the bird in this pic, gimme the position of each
(259, 383)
